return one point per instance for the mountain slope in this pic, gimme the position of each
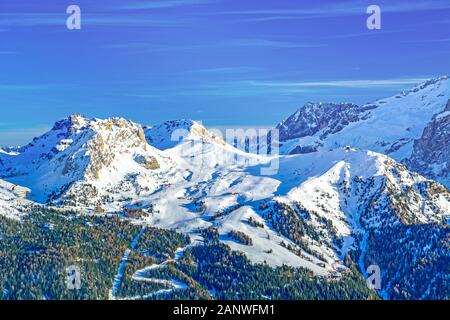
(329, 118)
(13, 203)
(320, 210)
(199, 150)
(389, 126)
(364, 201)
(311, 214)
(170, 133)
(90, 163)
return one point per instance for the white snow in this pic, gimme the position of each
(201, 181)
(13, 203)
(392, 126)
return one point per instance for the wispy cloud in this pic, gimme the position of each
(225, 89)
(143, 96)
(10, 87)
(89, 19)
(336, 9)
(145, 46)
(225, 70)
(340, 83)
(270, 44)
(273, 88)
(367, 33)
(141, 47)
(428, 40)
(135, 20)
(416, 6)
(161, 4)
(26, 19)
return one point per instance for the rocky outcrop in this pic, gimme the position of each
(411, 127)
(328, 117)
(431, 155)
(87, 162)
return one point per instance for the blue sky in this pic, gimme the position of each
(224, 62)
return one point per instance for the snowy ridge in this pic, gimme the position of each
(389, 126)
(83, 162)
(328, 118)
(347, 196)
(107, 165)
(341, 189)
(13, 203)
(342, 194)
(349, 193)
(171, 133)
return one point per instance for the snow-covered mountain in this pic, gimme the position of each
(199, 181)
(328, 118)
(318, 210)
(170, 133)
(390, 126)
(199, 150)
(92, 163)
(352, 202)
(359, 182)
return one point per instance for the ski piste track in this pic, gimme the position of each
(141, 275)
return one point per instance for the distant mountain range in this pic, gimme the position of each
(399, 126)
(367, 184)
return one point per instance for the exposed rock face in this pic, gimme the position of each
(314, 117)
(431, 155)
(87, 162)
(113, 138)
(149, 163)
(71, 125)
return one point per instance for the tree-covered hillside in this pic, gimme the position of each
(162, 264)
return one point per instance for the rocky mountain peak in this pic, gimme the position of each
(429, 84)
(314, 117)
(72, 124)
(170, 133)
(102, 156)
(410, 127)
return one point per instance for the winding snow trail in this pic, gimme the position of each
(141, 275)
(118, 278)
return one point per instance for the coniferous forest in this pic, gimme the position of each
(35, 252)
